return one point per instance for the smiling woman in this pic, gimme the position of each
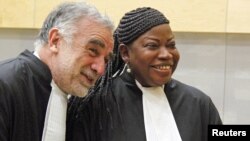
(152, 57)
(144, 102)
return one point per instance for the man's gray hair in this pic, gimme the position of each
(65, 17)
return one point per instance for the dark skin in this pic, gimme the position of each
(153, 56)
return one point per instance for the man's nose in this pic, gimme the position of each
(99, 66)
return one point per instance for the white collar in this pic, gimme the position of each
(159, 121)
(55, 120)
(36, 54)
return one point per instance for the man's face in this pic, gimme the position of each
(79, 64)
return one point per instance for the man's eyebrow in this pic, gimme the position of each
(97, 42)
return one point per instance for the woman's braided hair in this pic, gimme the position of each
(132, 25)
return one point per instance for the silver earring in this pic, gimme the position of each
(128, 69)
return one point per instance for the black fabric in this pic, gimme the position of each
(24, 93)
(192, 109)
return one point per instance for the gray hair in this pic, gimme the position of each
(65, 17)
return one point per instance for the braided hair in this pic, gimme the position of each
(132, 25)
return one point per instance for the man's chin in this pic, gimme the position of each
(80, 91)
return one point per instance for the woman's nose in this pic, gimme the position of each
(164, 53)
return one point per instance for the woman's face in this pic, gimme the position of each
(153, 56)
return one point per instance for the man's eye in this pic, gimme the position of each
(106, 60)
(93, 51)
(110, 57)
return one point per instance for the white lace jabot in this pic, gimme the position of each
(159, 121)
(55, 120)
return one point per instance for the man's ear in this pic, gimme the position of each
(124, 51)
(54, 38)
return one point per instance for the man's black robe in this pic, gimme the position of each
(24, 94)
(192, 109)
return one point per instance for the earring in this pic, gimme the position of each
(128, 69)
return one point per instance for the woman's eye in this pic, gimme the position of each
(151, 45)
(171, 46)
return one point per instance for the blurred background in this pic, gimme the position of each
(213, 38)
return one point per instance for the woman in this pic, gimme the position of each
(137, 99)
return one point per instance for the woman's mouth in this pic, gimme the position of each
(164, 67)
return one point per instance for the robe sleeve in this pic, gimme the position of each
(4, 113)
(214, 117)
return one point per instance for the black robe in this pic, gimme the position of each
(192, 109)
(24, 94)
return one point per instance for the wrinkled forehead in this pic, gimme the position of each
(96, 32)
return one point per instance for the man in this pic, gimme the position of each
(70, 54)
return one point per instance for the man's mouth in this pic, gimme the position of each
(89, 78)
